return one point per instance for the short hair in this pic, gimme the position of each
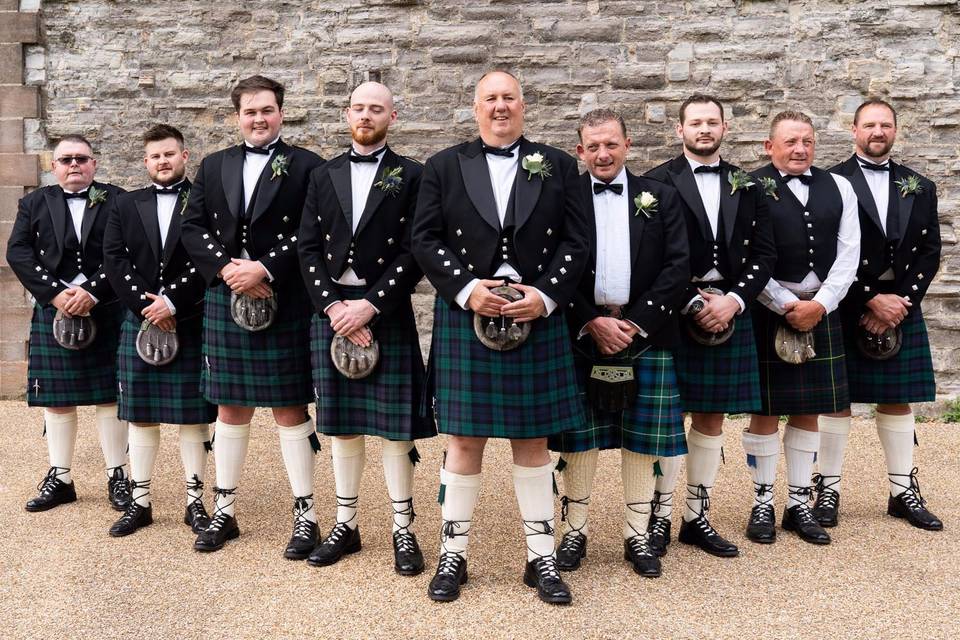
(161, 132)
(599, 116)
(798, 116)
(874, 102)
(254, 84)
(700, 98)
(74, 137)
(497, 70)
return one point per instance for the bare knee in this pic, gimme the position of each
(229, 414)
(290, 416)
(764, 425)
(464, 455)
(709, 424)
(530, 452)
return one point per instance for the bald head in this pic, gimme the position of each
(373, 92)
(496, 79)
(369, 115)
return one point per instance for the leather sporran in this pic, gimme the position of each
(353, 361)
(74, 332)
(792, 346)
(697, 333)
(882, 346)
(501, 333)
(156, 346)
(253, 314)
(612, 387)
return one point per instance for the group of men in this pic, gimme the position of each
(573, 313)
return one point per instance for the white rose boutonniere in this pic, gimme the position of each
(536, 165)
(646, 204)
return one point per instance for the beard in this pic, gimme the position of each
(885, 150)
(703, 151)
(368, 137)
(172, 180)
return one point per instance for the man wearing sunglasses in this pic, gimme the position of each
(56, 250)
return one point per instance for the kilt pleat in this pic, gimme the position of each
(169, 394)
(529, 392)
(269, 368)
(59, 377)
(817, 386)
(720, 379)
(387, 402)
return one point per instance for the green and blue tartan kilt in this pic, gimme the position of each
(720, 379)
(59, 377)
(906, 377)
(819, 385)
(652, 426)
(529, 392)
(387, 402)
(169, 394)
(269, 368)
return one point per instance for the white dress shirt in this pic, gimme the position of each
(831, 291)
(253, 166)
(166, 207)
(612, 214)
(362, 176)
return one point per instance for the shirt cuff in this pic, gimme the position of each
(464, 295)
(269, 275)
(743, 307)
(326, 308)
(686, 307)
(548, 302)
(169, 302)
(643, 334)
(826, 299)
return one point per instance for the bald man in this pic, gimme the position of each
(356, 262)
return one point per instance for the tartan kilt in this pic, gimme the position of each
(720, 379)
(269, 368)
(817, 386)
(169, 394)
(529, 392)
(907, 377)
(387, 402)
(652, 426)
(59, 377)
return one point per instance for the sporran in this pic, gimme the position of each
(792, 346)
(73, 332)
(501, 333)
(697, 333)
(253, 314)
(879, 346)
(156, 346)
(353, 361)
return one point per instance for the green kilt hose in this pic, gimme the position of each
(719, 379)
(268, 368)
(387, 402)
(652, 426)
(817, 386)
(60, 377)
(529, 392)
(169, 394)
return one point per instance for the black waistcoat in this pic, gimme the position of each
(72, 261)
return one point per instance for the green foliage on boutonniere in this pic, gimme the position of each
(738, 180)
(184, 198)
(96, 196)
(646, 204)
(536, 165)
(908, 185)
(279, 166)
(769, 187)
(390, 181)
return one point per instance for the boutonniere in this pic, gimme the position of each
(279, 166)
(390, 181)
(184, 198)
(96, 196)
(740, 179)
(646, 204)
(908, 185)
(536, 165)
(769, 187)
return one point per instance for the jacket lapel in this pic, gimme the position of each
(90, 216)
(269, 187)
(527, 190)
(476, 181)
(862, 189)
(729, 204)
(340, 178)
(57, 207)
(637, 221)
(682, 177)
(231, 177)
(376, 196)
(147, 210)
(905, 203)
(173, 231)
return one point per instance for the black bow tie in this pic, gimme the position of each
(875, 167)
(168, 191)
(600, 187)
(372, 157)
(803, 178)
(80, 195)
(264, 151)
(706, 168)
(497, 151)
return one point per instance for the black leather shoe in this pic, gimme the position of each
(762, 525)
(826, 509)
(222, 528)
(135, 517)
(543, 574)
(700, 533)
(800, 520)
(911, 505)
(407, 557)
(572, 549)
(118, 490)
(638, 552)
(450, 576)
(303, 541)
(658, 534)
(53, 491)
(196, 516)
(341, 540)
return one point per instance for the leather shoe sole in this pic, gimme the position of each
(324, 561)
(34, 507)
(205, 548)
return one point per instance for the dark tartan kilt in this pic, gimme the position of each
(652, 426)
(387, 402)
(529, 392)
(269, 368)
(169, 394)
(720, 379)
(817, 386)
(59, 377)
(907, 377)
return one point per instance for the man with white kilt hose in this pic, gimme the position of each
(796, 323)
(731, 255)
(56, 250)
(498, 211)
(355, 259)
(899, 255)
(240, 229)
(162, 291)
(623, 321)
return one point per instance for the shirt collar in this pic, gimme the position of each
(860, 158)
(377, 151)
(170, 186)
(274, 141)
(620, 179)
(694, 163)
(808, 172)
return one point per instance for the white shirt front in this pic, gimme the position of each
(879, 183)
(253, 165)
(77, 206)
(166, 207)
(612, 214)
(708, 184)
(362, 176)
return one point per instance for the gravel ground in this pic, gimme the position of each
(63, 576)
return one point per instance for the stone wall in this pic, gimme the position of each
(109, 69)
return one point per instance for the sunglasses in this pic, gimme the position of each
(66, 161)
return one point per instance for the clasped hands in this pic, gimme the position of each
(247, 277)
(717, 312)
(490, 305)
(349, 318)
(75, 301)
(885, 311)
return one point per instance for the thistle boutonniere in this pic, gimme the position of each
(536, 165)
(390, 181)
(908, 186)
(740, 179)
(646, 204)
(184, 198)
(96, 196)
(769, 187)
(279, 166)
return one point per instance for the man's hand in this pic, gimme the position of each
(362, 337)
(80, 303)
(260, 290)
(717, 312)
(803, 315)
(158, 313)
(874, 324)
(609, 334)
(245, 275)
(352, 316)
(483, 302)
(889, 309)
(60, 302)
(527, 309)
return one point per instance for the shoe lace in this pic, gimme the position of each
(134, 508)
(764, 494)
(119, 484)
(449, 563)
(572, 541)
(643, 508)
(349, 503)
(220, 517)
(302, 527)
(800, 493)
(195, 490)
(911, 495)
(805, 516)
(639, 545)
(662, 500)
(338, 531)
(762, 514)
(52, 480)
(406, 511)
(405, 541)
(449, 529)
(658, 526)
(701, 494)
(134, 485)
(540, 528)
(546, 568)
(827, 496)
